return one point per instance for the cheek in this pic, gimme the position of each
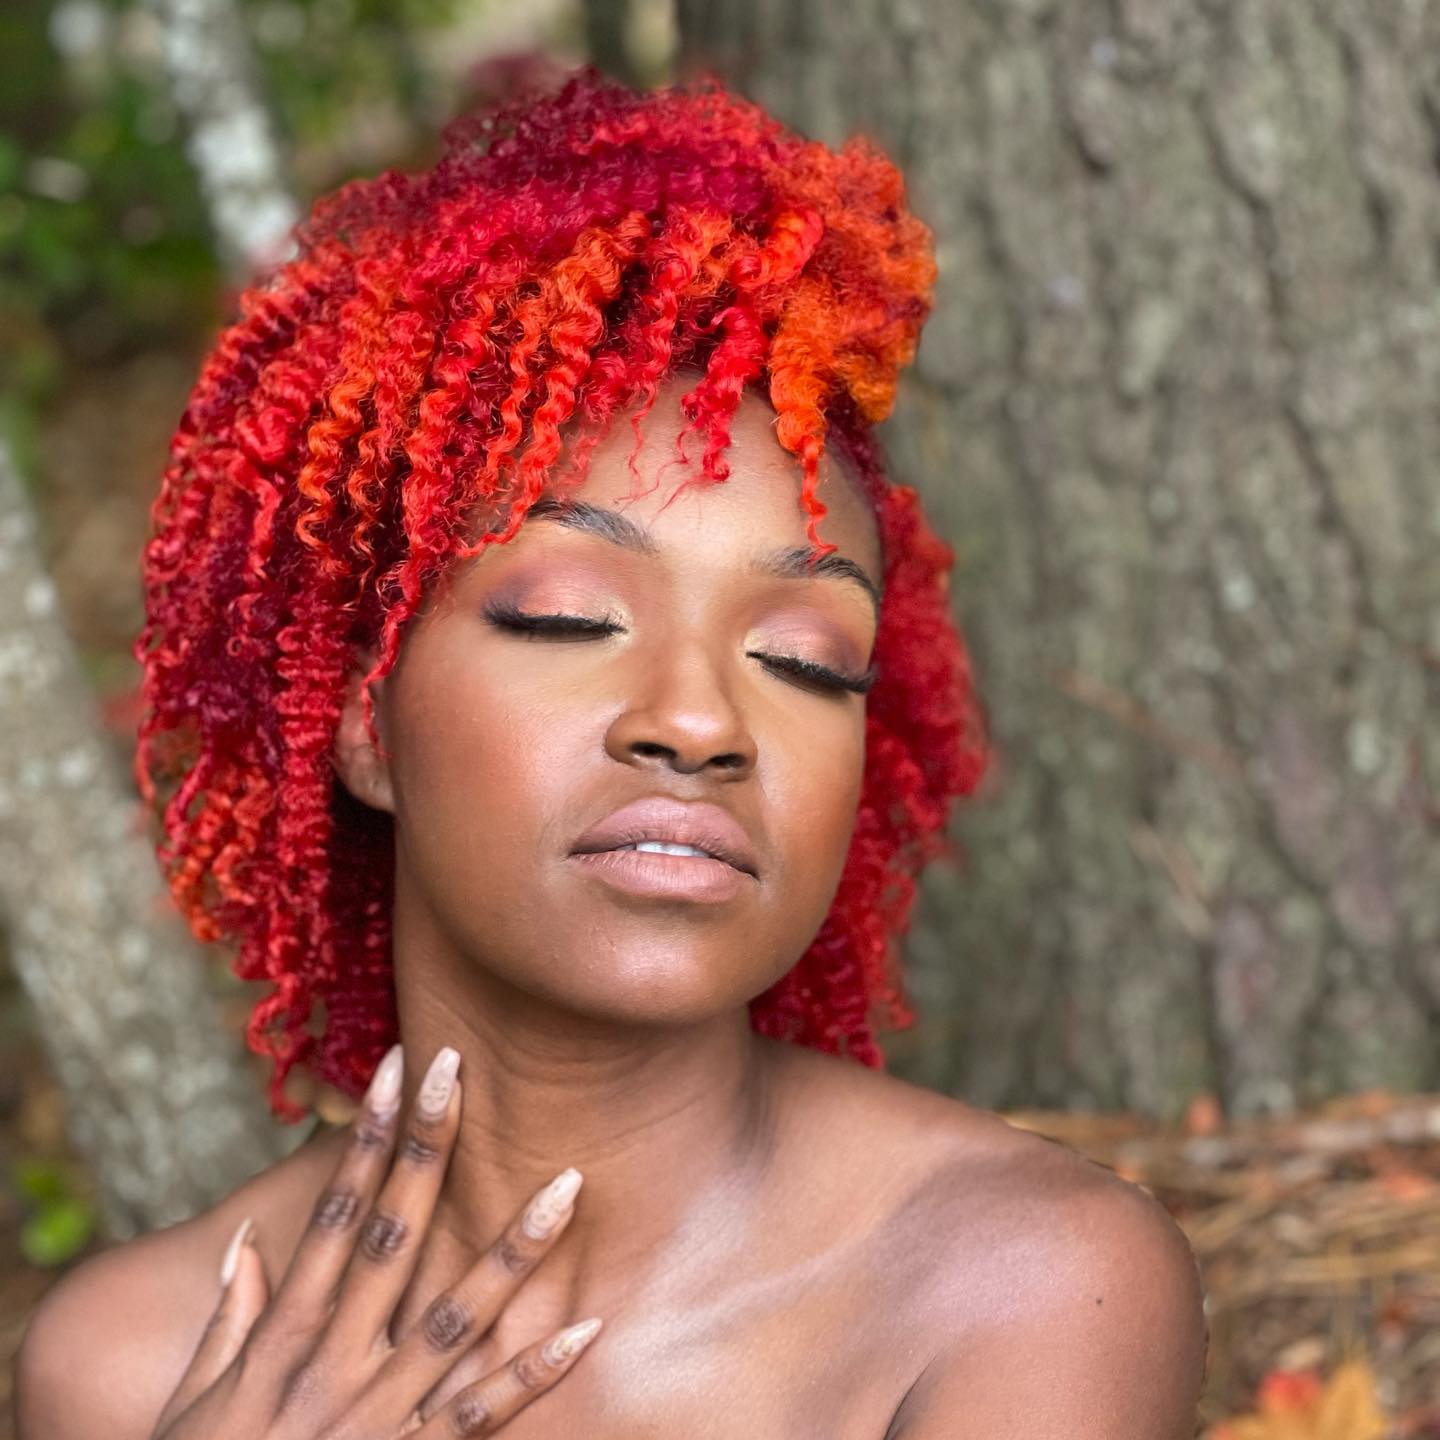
(479, 757)
(812, 790)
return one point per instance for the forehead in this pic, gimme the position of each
(757, 506)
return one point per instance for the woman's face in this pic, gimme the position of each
(627, 673)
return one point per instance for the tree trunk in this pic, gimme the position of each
(159, 1099)
(1176, 412)
(229, 137)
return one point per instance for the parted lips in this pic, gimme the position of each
(659, 818)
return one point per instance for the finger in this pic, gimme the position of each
(460, 1315)
(482, 1408)
(243, 1293)
(312, 1279)
(387, 1246)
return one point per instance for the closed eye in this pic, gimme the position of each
(810, 673)
(506, 616)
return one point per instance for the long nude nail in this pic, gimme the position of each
(571, 1342)
(383, 1096)
(232, 1252)
(552, 1204)
(439, 1084)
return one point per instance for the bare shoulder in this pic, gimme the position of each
(1054, 1289)
(1037, 1287)
(109, 1342)
(944, 1153)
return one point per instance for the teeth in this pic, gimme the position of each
(663, 847)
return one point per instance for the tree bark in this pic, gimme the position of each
(1176, 412)
(160, 1102)
(229, 136)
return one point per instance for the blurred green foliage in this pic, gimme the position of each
(62, 1217)
(104, 248)
(102, 234)
(325, 59)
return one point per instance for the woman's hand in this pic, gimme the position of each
(316, 1359)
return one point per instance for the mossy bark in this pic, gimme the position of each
(1177, 412)
(159, 1099)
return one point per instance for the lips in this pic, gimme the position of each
(659, 820)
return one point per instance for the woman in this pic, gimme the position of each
(543, 674)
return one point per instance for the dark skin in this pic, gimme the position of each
(778, 1242)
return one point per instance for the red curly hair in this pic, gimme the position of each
(415, 364)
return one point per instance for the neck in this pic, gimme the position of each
(671, 1128)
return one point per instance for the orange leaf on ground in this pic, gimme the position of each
(1406, 1185)
(1283, 1390)
(1298, 1405)
(1203, 1115)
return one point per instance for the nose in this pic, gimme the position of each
(682, 719)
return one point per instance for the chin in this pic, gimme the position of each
(658, 981)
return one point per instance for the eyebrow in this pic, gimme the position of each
(797, 563)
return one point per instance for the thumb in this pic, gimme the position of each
(244, 1293)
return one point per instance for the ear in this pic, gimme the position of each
(363, 769)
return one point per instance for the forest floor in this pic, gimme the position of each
(1318, 1238)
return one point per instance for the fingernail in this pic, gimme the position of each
(438, 1084)
(232, 1252)
(570, 1342)
(551, 1205)
(383, 1096)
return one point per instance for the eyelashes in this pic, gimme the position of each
(808, 673)
(506, 616)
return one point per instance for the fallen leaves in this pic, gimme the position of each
(1300, 1405)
